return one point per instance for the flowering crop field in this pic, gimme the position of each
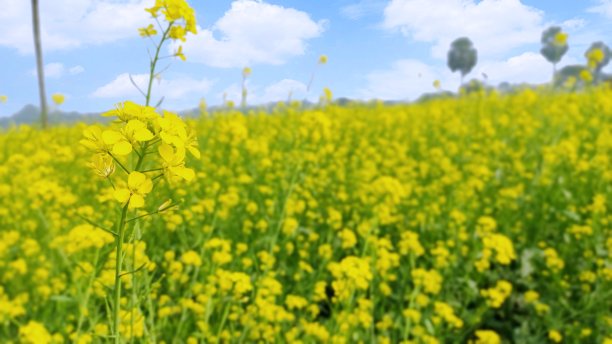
(479, 219)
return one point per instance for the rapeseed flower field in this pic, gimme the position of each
(478, 219)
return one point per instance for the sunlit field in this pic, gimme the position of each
(448, 221)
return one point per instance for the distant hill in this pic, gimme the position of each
(30, 114)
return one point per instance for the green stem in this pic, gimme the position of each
(154, 64)
(121, 232)
(118, 263)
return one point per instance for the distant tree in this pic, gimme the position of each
(474, 86)
(554, 45)
(598, 56)
(572, 76)
(39, 64)
(462, 56)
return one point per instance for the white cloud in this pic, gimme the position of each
(253, 32)
(281, 90)
(67, 24)
(604, 8)
(528, 67)
(574, 24)
(181, 88)
(275, 92)
(406, 80)
(76, 70)
(362, 8)
(495, 26)
(57, 70)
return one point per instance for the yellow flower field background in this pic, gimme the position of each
(425, 223)
(482, 217)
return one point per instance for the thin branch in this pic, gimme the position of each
(152, 41)
(163, 69)
(119, 163)
(153, 213)
(159, 25)
(138, 88)
(153, 170)
(138, 153)
(111, 182)
(159, 102)
(96, 225)
(133, 271)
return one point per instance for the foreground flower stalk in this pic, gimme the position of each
(141, 131)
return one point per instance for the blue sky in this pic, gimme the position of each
(386, 49)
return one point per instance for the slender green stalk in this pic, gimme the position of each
(154, 64)
(122, 223)
(118, 263)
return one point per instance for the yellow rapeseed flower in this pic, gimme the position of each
(138, 186)
(58, 98)
(147, 31)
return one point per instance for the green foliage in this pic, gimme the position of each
(601, 64)
(462, 56)
(570, 72)
(551, 49)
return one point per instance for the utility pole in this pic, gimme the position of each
(39, 65)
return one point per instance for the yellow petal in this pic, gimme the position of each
(185, 173)
(122, 148)
(145, 187)
(122, 195)
(110, 137)
(194, 151)
(143, 135)
(135, 180)
(93, 132)
(136, 201)
(166, 152)
(110, 113)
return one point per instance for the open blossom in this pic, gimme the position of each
(147, 31)
(103, 165)
(93, 140)
(129, 110)
(123, 141)
(173, 162)
(137, 187)
(58, 98)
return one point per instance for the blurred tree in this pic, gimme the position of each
(39, 64)
(598, 56)
(554, 45)
(462, 56)
(571, 76)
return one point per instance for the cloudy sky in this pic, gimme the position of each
(387, 49)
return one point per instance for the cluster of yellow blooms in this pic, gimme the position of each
(141, 130)
(181, 20)
(482, 219)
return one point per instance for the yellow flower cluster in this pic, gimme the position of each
(422, 223)
(497, 295)
(177, 12)
(141, 129)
